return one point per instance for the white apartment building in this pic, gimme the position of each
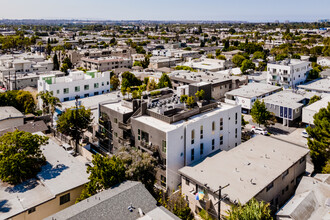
(19, 65)
(288, 73)
(105, 63)
(189, 139)
(323, 61)
(77, 83)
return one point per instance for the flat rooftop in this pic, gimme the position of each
(7, 112)
(319, 85)
(248, 168)
(288, 98)
(316, 106)
(164, 126)
(117, 106)
(62, 173)
(252, 90)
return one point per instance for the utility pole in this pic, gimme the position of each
(76, 125)
(220, 198)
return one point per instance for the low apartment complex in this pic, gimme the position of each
(172, 132)
(75, 84)
(56, 187)
(220, 83)
(105, 63)
(248, 94)
(288, 73)
(264, 168)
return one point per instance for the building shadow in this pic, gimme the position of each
(23, 187)
(49, 171)
(4, 207)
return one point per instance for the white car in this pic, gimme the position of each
(304, 134)
(68, 149)
(259, 131)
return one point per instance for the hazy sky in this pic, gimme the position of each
(247, 10)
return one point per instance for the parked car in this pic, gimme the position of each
(68, 149)
(259, 131)
(304, 134)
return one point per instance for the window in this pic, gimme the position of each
(163, 180)
(201, 148)
(287, 188)
(213, 142)
(164, 146)
(139, 134)
(77, 88)
(269, 187)
(213, 126)
(145, 136)
(86, 95)
(221, 139)
(102, 83)
(96, 93)
(187, 182)
(116, 121)
(235, 132)
(116, 135)
(58, 91)
(302, 160)
(107, 82)
(192, 136)
(221, 124)
(66, 99)
(66, 90)
(96, 85)
(285, 173)
(192, 154)
(236, 118)
(201, 132)
(86, 87)
(31, 210)
(64, 199)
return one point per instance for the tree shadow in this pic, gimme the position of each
(276, 131)
(49, 171)
(4, 207)
(23, 187)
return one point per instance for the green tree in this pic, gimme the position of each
(238, 60)
(129, 80)
(200, 94)
(135, 94)
(315, 98)
(20, 156)
(152, 85)
(26, 101)
(183, 98)
(114, 83)
(326, 168)
(74, 122)
(244, 123)
(280, 57)
(55, 62)
(190, 101)
(247, 65)
(139, 166)
(253, 210)
(259, 55)
(210, 56)
(177, 204)
(21, 100)
(164, 81)
(221, 57)
(319, 140)
(105, 173)
(260, 114)
(64, 68)
(49, 102)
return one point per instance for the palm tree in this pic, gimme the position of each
(45, 97)
(53, 103)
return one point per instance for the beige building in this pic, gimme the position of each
(56, 187)
(264, 168)
(105, 63)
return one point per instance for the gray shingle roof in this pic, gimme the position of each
(111, 204)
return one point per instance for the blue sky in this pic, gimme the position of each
(247, 10)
